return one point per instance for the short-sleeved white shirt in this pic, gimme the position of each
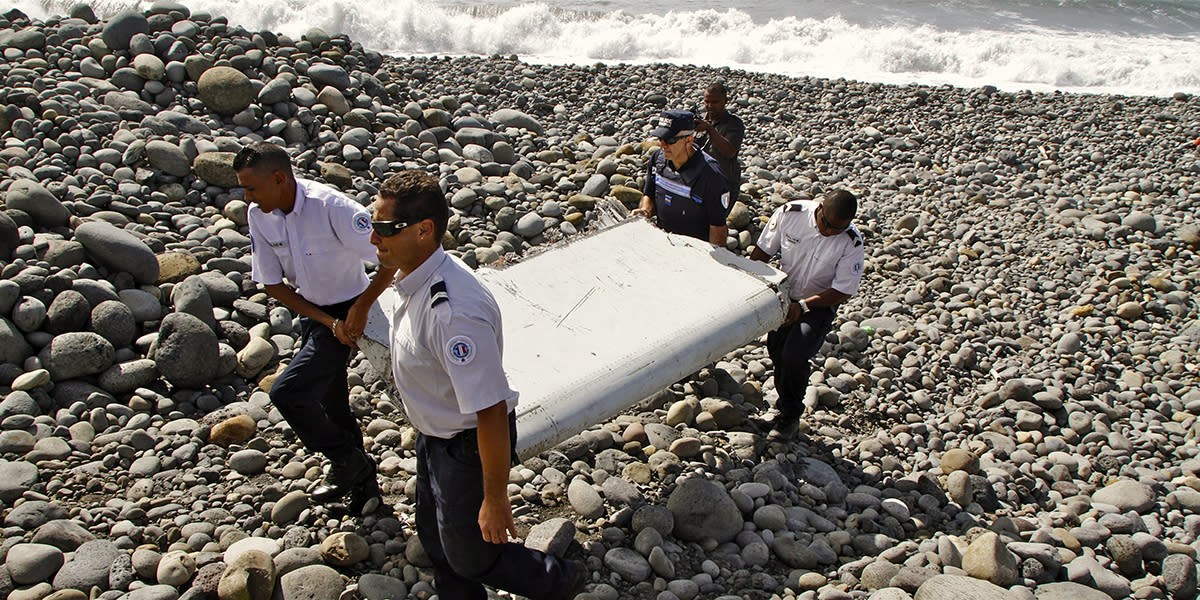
(319, 247)
(447, 347)
(813, 262)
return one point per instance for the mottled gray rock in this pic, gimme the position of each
(316, 582)
(114, 321)
(959, 587)
(1126, 495)
(77, 354)
(1068, 590)
(585, 499)
(88, 567)
(64, 534)
(69, 311)
(627, 563)
(374, 586)
(216, 168)
(1179, 575)
(702, 510)
(225, 90)
(552, 536)
(186, 351)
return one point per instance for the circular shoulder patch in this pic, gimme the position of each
(362, 223)
(460, 350)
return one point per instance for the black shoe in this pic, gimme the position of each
(365, 498)
(346, 472)
(577, 578)
(784, 427)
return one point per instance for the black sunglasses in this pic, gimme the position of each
(390, 228)
(826, 223)
(673, 140)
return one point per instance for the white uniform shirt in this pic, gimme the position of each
(447, 347)
(320, 246)
(813, 262)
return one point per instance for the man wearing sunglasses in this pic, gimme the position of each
(447, 345)
(822, 253)
(685, 191)
(318, 240)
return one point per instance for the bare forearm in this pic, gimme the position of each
(717, 235)
(721, 144)
(829, 297)
(494, 450)
(296, 303)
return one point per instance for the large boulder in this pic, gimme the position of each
(703, 509)
(33, 198)
(168, 158)
(225, 90)
(216, 168)
(88, 567)
(121, 28)
(78, 354)
(186, 351)
(118, 250)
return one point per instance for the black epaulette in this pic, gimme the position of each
(795, 207)
(438, 294)
(854, 236)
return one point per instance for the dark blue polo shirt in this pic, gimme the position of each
(690, 200)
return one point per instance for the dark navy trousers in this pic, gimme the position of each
(311, 393)
(449, 494)
(792, 348)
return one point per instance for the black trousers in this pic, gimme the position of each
(312, 394)
(449, 495)
(792, 348)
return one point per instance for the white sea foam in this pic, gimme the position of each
(1029, 57)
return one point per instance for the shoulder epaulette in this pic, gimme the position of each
(854, 236)
(438, 294)
(796, 206)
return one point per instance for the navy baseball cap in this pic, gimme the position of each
(672, 123)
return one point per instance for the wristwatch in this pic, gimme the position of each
(803, 305)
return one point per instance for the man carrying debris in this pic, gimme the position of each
(685, 191)
(447, 343)
(822, 253)
(318, 239)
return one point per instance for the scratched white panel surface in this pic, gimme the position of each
(597, 325)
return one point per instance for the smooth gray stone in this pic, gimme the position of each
(64, 534)
(191, 296)
(121, 28)
(374, 586)
(316, 582)
(951, 587)
(168, 158)
(1068, 590)
(119, 250)
(33, 198)
(33, 563)
(18, 403)
(13, 347)
(326, 74)
(626, 562)
(517, 119)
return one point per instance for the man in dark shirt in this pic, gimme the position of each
(685, 191)
(720, 134)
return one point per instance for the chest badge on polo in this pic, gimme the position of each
(460, 350)
(362, 223)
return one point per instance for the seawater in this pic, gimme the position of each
(1137, 47)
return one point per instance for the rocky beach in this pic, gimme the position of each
(1008, 410)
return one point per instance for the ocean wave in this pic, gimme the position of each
(1032, 57)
